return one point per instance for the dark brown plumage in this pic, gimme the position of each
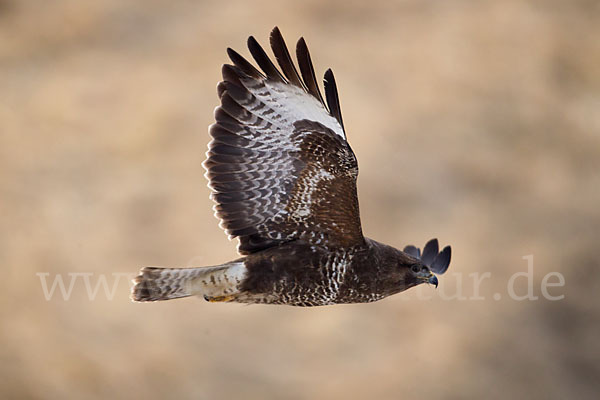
(283, 178)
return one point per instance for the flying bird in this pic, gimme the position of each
(283, 178)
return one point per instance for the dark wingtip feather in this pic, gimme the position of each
(243, 64)
(412, 251)
(232, 74)
(442, 261)
(282, 55)
(220, 89)
(263, 60)
(430, 251)
(307, 70)
(331, 94)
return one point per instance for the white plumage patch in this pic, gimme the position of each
(310, 185)
(218, 281)
(296, 104)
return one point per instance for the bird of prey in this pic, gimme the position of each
(283, 178)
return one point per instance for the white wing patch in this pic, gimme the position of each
(309, 184)
(296, 104)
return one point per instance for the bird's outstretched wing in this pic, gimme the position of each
(279, 165)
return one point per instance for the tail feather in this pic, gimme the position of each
(156, 283)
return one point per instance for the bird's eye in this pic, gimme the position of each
(415, 268)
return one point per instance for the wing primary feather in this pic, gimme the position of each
(331, 94)
(227, 121)
(220, 89)
(430, 251)
(231, 107)
(243, 64)
(307, 70)
(442, 261)
(263, 61)
(412, 251)
(282, 55)
(232, 74)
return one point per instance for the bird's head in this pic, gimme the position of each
(430, 262)
(401, 270)
(420, 273)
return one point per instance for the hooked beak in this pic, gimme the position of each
(433, 280)
(427, 276)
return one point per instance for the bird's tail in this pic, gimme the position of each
(156, 283)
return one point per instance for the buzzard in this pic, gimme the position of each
(283, 178)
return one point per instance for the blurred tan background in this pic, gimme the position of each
(477, 122)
